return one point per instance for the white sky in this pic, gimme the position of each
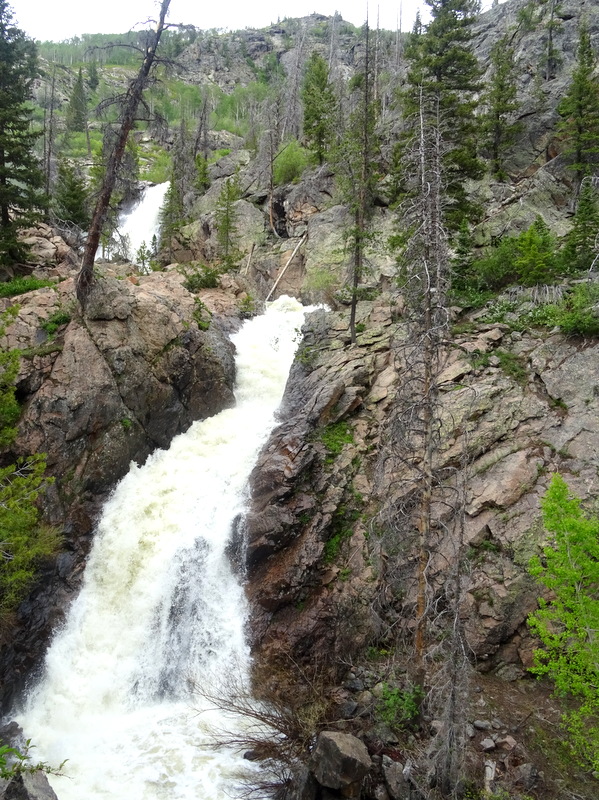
(56, 20)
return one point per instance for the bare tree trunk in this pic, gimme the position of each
(128, 113)
(363, 199)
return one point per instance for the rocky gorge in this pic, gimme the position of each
(328, 546)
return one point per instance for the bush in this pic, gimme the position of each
(567, 624)
(55, 320)
(290, 162)
(577, 316)
(527, 259)
(399, 708)
(199, 276)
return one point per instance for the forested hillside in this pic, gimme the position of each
(419, 578)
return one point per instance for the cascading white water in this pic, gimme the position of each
(160, 608)
(141, 223)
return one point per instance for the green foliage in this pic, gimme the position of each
(143, 255)
(500, 105)
(444, 77)
(290, 162)
(335, 436)
(158, 165)
(199, 276)
(399, 708)
(201, 314)
(318, 97)
(578, 313)
(579, 251)
(579, 110)
(21, 285)
(202, 180)
(76, 113)
(55, 320)
(15, 762)
(93, 79)
(21, 179)
(9, 368)
(527, 259)
(226, 223)
(247, 307)
(172, 218)
(568, 623)
(25, 542)
(71, 197)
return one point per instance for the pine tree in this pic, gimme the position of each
(76, 114)
(318, 96)
(580, 111)
(172, 217)
(93, 79)
(500, 104)
(71, 197)
(357, 156)
(579, 250)
(445, 69)
(20, 175)
(225, 219)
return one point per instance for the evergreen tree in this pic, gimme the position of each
(225, 219)
(76, 114)
(20, 175)
(579, 250)
(93, 79)
(71, 198)
(357, 156)
(318, 96)
(445, 69)
(172, 217)
(202, 180)
(580, 111)
(500, 104)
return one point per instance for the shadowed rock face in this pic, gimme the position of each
(104, 390)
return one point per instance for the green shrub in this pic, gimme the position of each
(201, 314)
(199, 276)
(567, 624)
(527, 259)
(399, 708)
(576, 315)
(21, 286)
(55, 320)
(25, 542)
(290, 162)
(335, 436)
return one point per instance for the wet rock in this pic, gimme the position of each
(340, 761)
(32, 786)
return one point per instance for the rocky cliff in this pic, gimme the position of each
(332, 565)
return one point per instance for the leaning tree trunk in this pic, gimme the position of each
(128, 114)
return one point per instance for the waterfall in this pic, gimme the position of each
(160, 608)
(141, 223)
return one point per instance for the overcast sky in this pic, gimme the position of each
(56, 20)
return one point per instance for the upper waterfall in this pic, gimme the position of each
(161, 609)
(141, 223)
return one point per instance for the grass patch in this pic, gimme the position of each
(22, 285)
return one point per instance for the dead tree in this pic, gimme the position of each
(128, 115)
(425, 509)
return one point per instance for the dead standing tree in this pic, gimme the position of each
(426, 512)
(128, 115)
